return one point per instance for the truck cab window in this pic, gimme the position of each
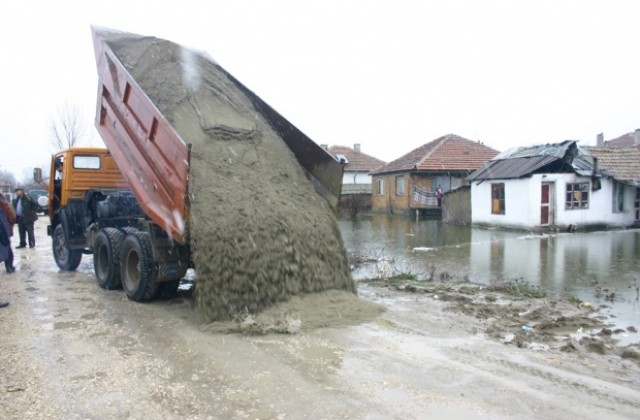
(86, 162)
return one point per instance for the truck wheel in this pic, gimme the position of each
(137, 269)
(66, 259)
(106, 258)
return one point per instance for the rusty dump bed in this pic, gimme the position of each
(155, 159)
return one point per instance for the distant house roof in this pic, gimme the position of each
(625, 141)
(356, 161)
(622, 165)
(524, 161)
(450, 153)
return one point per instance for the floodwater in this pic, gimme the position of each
(601, 268)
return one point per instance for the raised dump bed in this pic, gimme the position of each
(156, 160)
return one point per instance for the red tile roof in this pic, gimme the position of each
(624, 141)
(358, 161)
(623, 165)
(450, 153)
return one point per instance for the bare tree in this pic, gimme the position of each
(67, 128)
(7, 178)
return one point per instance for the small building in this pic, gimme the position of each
(356, 181)
(357, 165)
(556, 186)
(408, 184)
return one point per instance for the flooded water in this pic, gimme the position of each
(601, 268)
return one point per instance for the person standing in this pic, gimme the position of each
(27, 214)
(7, 220)
(439, 193)
(6, 230)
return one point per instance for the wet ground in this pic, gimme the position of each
(72, 350)
(598, 268)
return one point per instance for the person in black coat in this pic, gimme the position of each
(26, 213)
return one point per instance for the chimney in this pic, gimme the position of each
(325, 146)
(600, 140)
(356, 147)
(636, 137)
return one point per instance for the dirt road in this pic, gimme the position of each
(69, 349)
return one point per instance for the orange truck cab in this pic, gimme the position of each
(93, 211)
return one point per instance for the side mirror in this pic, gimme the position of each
(37, 175)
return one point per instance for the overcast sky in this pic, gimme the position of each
(391, 75)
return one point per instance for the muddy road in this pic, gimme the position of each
(69, 349)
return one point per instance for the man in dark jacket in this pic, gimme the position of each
(27, 214)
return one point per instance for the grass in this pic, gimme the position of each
(518, 288)
(402, 276)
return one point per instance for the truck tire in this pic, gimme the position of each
(66, 259)
(137, 269)
(106, 258)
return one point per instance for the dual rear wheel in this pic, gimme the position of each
(123, 258)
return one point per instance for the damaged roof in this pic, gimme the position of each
(449, 153)
(520, 162)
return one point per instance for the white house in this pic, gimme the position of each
(558, 186)
(357, 165)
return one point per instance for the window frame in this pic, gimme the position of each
(380, 185)
(498, 197)
(400, 178)
(618, 197)
(571, 199)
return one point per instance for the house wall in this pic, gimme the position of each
(356, 183)
(517, 203)
(390, 199)
(523, 197)
(352, 177)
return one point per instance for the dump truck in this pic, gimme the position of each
(128, 204)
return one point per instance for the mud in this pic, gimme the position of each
(517, 314)
(259, 231)
(72, 350)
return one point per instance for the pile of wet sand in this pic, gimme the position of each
(259, 231)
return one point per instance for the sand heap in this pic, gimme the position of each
(259, 231)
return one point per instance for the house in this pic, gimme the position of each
(557, 186)
(356, 181)
(622, 142)
(357, 165)
(409, 183)
(621, 168)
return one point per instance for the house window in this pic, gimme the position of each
(577, 196)
(400, 185)
(497, 198)
(380, 186)
(618, 197)
(636, 204)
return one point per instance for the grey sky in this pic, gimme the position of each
(391, 75)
